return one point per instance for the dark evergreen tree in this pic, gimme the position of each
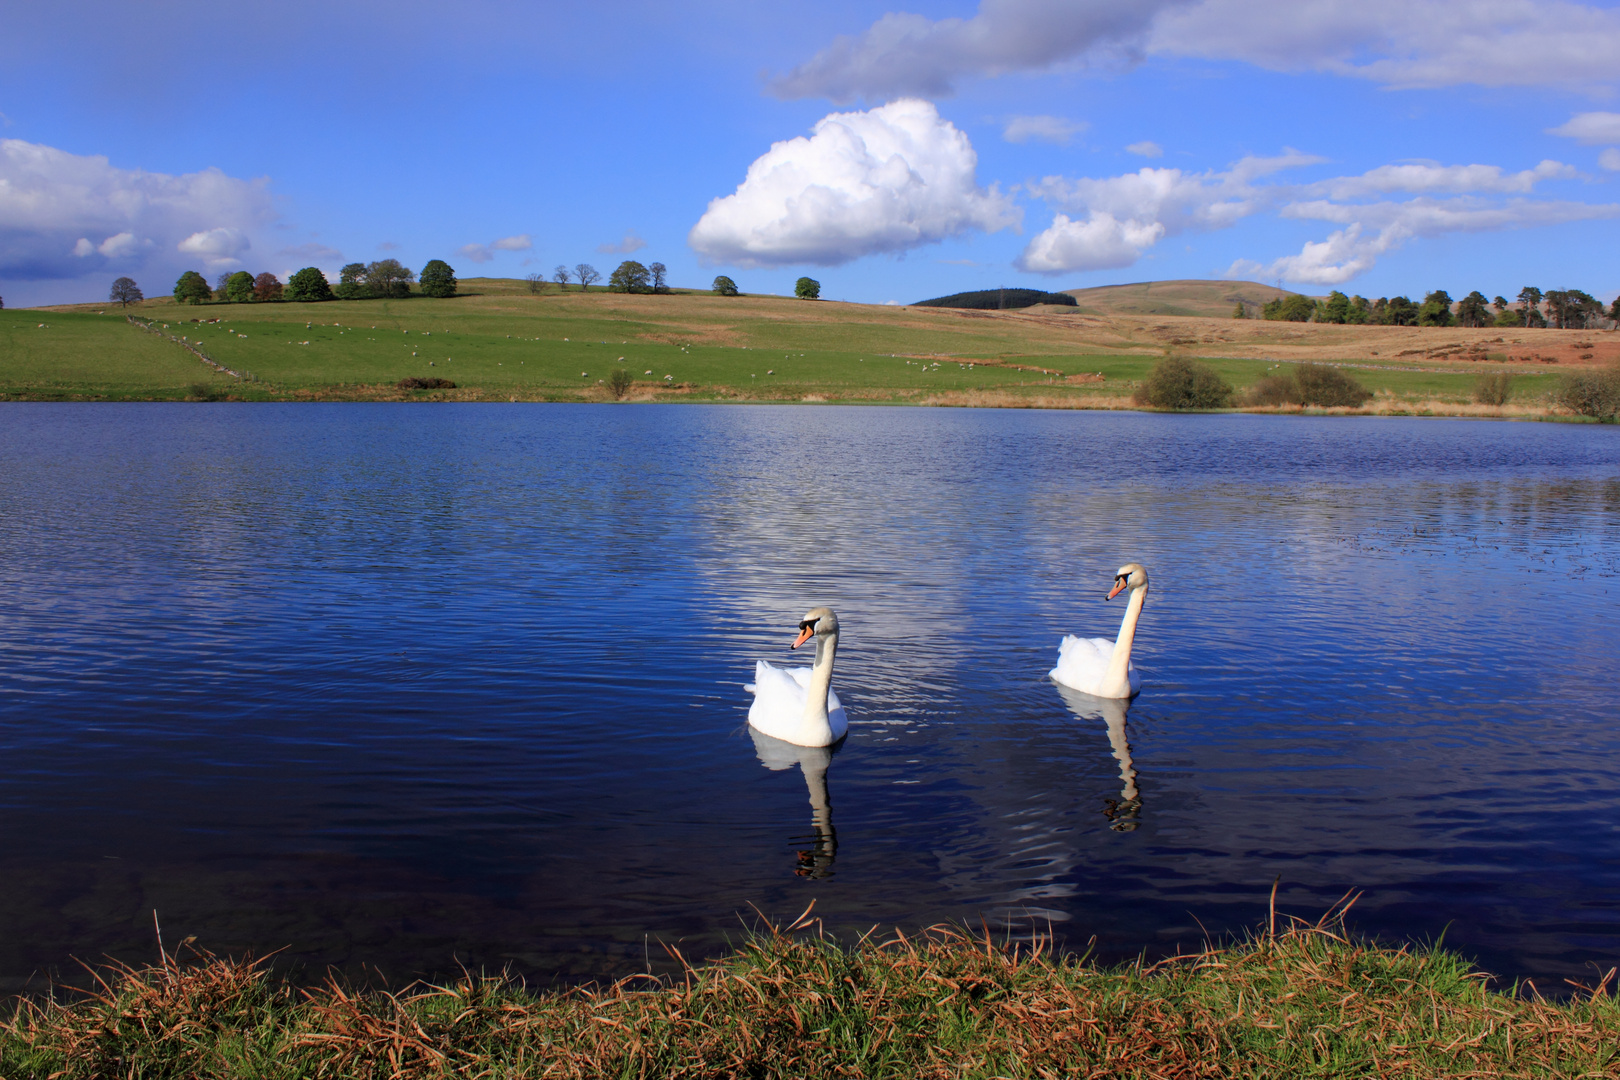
(1472, 310)
(1436, 309)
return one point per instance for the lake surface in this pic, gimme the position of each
(402, 686)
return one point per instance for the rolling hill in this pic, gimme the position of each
(1209, 299)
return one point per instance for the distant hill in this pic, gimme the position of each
(1208, 298)
(993, 299)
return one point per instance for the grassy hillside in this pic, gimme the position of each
(1210, 299)
(500, 342)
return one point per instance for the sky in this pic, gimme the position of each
(892, 151)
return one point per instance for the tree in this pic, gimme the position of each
(219, 284)
(125, 292)
(266, 287)
(308, 285)
(1295, 307)
(657, 272)
(1472, 310)
(1360, 312)
(1436, 309)
(726, 287)
(351, 282)
(389, 278)
(619, 383)
(1572, 309)
(561, 276)
(438, 279)
(1500, 304)
(1240, 312)
(1530, 298)
(239, 287)
(192, 288)
(1614, 309)
(1336, 310)
(586, 274)
(807, 289)
(1400, 311)
(537, 282)
(630, 277)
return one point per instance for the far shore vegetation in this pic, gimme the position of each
(384, 332)
(1297, 999)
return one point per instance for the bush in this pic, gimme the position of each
(1274, 390)
(1591, 393)
(1178, 383)
(438, 279)
(414, 383)
(204, 392)
(807, 288)
(1329, 387)
(725, 286)
(309, 284)
(619, 383)
(1493, 389)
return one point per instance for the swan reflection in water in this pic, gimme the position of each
(1124, 814)
(776, 755)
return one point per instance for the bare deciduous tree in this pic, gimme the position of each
(657, 272)
(537, 282)
(586, 273)
(561, 276)
(125, 292)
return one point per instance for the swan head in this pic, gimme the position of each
(817, 622)
(1130, 576)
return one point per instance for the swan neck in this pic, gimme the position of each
(1120, 664)
(815, 700)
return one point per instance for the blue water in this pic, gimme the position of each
(404, 687)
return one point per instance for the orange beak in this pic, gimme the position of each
(1119, 587)
(804, 636)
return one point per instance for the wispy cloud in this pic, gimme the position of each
(1145, 148)
(1052, 129)
(629, 245)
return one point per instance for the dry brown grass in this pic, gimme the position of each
(1305, 1000)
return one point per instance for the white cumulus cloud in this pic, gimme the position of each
(1052, 129)
(65, 215)
(520, 242)
(1126, 215)
(1101, 242)
(218, 248)
(1402, 43)
(885, 180)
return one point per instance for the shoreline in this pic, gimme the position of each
(1294, 998)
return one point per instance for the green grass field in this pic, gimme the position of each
(499, 342)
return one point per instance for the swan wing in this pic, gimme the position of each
(1082, 662)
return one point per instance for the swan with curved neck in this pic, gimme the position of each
(797, 705)
(1100, 667)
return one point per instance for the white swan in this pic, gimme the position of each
(797, 705)
(1100, 667)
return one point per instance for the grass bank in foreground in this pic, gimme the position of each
(1307, 1002)
(502, 343)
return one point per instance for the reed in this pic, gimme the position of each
(1300, 999)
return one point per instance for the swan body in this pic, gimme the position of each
(1100, 667)
(797, 705)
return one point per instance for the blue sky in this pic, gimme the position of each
(892, 151)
